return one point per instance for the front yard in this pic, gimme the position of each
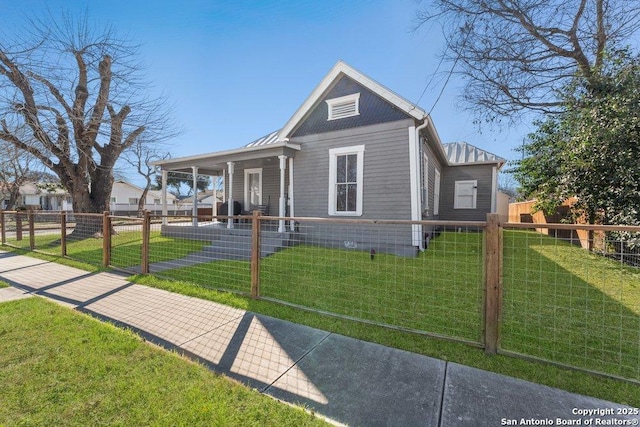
(560, 303)
(59, 367)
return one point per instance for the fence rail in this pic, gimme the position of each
(506, 287)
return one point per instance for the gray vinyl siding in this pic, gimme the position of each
(270, 182)
(428, 208)
(373, 110)
(386, 192)
(483, 174)
(386, 170)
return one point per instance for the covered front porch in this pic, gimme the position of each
(257, 176)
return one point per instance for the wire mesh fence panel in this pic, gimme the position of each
(126, 242)
(376, 273)
(573, 298)
(206, 253)
(17, 229)
(47, 232)
(84, 238)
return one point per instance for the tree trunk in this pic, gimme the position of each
(14, 194)
(88, 204)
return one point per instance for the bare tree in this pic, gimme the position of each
(15, 170)
(515, 55)
(80, 94)
(139, 156)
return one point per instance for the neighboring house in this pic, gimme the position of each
(39, 196)
(126, 196)
(207, 199)
(355, 149)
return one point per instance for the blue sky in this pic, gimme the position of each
(237, 70)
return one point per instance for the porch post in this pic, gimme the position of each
(281, 206)
(292, 225)
(214, 206)
(224, 186)
(164, 197)
(194, 207)
(230, 166)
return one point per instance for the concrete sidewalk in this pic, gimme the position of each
(350, 381)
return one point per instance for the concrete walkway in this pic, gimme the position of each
(346, 380)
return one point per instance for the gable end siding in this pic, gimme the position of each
(372, 110)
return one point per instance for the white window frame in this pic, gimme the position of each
(247, 172)
(114, 200)
(347, 100)
(436, 192)
(457, 195)
(334, 153)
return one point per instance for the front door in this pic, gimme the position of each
(252, 187)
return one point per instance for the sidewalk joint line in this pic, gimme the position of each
(295, 363)
(214, 329)
(444, 383)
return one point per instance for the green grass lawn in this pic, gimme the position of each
(125, 248)
(59, 367)
(567, 305)
(414, 293)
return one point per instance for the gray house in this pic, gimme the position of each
(355, 149)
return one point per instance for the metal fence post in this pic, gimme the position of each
(255, 255)
(146, 233)
(63, 233)
(3, 227)
(32, 232)
(493, 283)
(106, 239)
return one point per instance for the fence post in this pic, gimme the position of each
(32, 228)
(4, 229)
(146, 232)
(493, 283)
(18, 226)
(255, 255)
(106, 239)
(63, 233)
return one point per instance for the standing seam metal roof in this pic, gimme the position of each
(463, 153)
(271, 138)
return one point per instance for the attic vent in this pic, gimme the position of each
(345, 106)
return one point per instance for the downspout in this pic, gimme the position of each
(414, 170)
(494, 189)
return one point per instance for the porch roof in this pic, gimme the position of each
(215, 163)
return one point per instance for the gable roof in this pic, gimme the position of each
(156, 194)
(462, 153)
(339, 70)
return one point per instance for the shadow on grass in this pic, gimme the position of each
(564, 304)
